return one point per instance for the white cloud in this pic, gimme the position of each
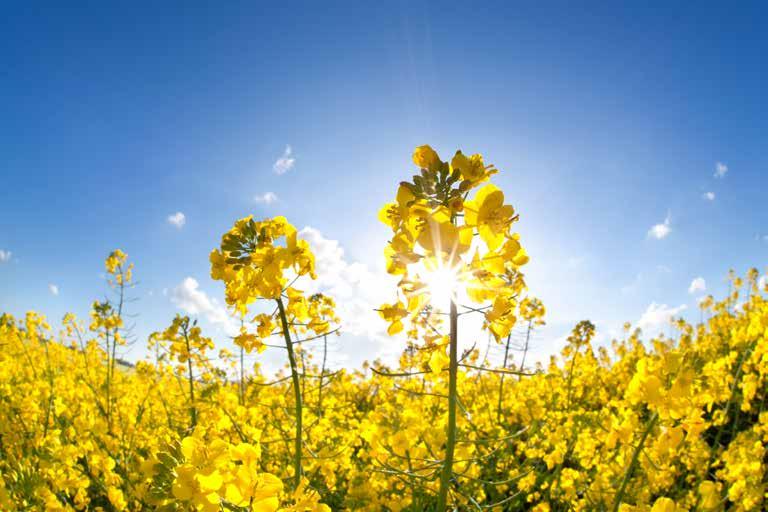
(5, 256)
(266, 198)
(658, 316)
(762, 282)
(188, 297)
(662, 230)
(720, 170)
(357, 290)
(709, 196)
(284, 163)
(53, 289)
(177, 219)
(697, 285)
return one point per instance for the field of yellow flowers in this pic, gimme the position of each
(661, 425)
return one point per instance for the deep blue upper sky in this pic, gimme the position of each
(605, 121)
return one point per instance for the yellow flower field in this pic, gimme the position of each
(661, 425)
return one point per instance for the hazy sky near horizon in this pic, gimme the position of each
(631, 140)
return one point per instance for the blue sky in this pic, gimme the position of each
(605, 120)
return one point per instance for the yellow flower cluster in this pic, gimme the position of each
(664, 425)
(440, 234)
(255, 260)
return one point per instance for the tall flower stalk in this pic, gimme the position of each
(184, 344)
(446, 245)
(107, 322)
(262, 261)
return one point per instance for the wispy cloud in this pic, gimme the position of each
(188, 297)
(177, 219)
(658, 316)
(286, 162)
(697, 285)
(720, 170)
(266, 198)
(662, 230)
(53, 289)
(709, 196)
(5, 256)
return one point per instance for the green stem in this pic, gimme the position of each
(728, 405)
(296, 392)
(51, 395)
(447, 473)
(570, 375)
(501, 380)
(322, 374)
(242, 377)
(111, 368)
(525, 350)
(633, 462)
(109, 383)
(190, 377)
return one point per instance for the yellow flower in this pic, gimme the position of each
(511, 254)
(709, 493)
(249, 342)
(393, 314)
(399, 254)
(116, 498)
(500, 318)
(115, 259)
(426, 158)
(664, 505)
(265, 493)
(438, 360)
(404, 213)
(472, 168)
(488, 212)
(442, 239)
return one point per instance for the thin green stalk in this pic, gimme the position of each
(447, 473)
(501, 380)
(322, 374)
(296, 392)
(525, 350)
(190, 376)
(729, 404)
(570, 375)
(242, 377)
(168, 416)
(109, 382)
(633, 462)
(51, 396)
(111, 363)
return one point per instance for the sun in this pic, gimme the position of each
(443, 283)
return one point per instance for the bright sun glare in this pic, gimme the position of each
(442, 283)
